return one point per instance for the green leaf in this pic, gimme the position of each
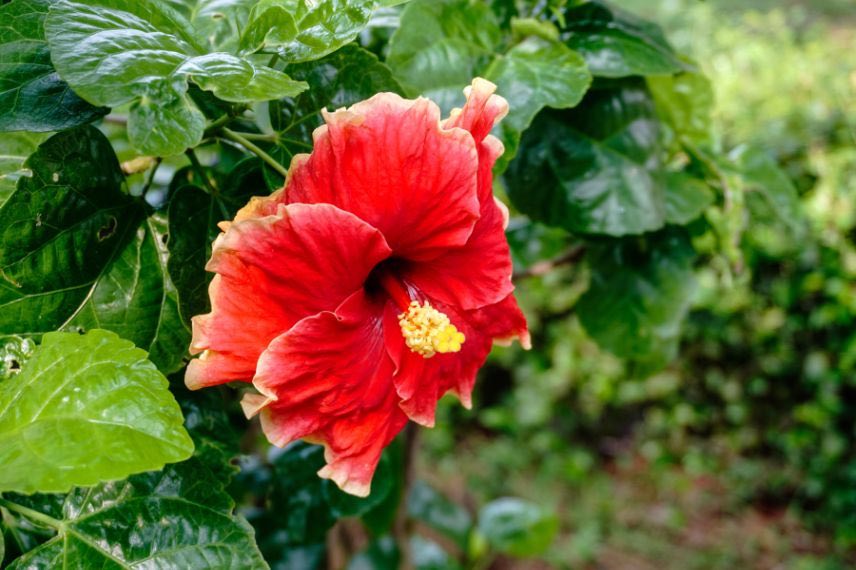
(193, 217)
(310, 505)
(14, 150)
(440, 46)
(53, 257)
(270, 25)
(685, 103)
(532, 75)
(381, 553)
(517, 527)
(594, 169)
(15, 351)
(323, 26)
(84, 409)
(32, 96)
(340, 79)
(113, 52)
(298, 493)
(428, 555)
(771, 195)
(687, 198)
(639, 294)
(427, 505)
(176, 518)
(615, 43)
(136, 299)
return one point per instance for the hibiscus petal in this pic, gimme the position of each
(273, 271)
(478, 273)
(421, 382)
(481, 112)
(388, 161)
(329, 380)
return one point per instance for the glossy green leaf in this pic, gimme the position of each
(687, 198)
(310, 505)
(84, 409)
(15, 148)
(298, 497)
(534, 74)
(685, 102)
(430, 507)
(113, 52)
(517, 527)
(440, 46)
(15, 351)
(32, 96)
(324, 26)
(53, 257)
(639, 294)
(594, 169)
(193, 218)
(176, 518)
(615, 43)
(136, 299)
(340, 79)
(270, 24)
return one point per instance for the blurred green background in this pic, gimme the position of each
(742, 453)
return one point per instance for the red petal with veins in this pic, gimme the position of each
(478, 273)
(273, 271)
(388, 161)
(421, 382)
(329, 380)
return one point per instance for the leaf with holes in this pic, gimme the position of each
(84, 409)
(136, 299)
(53, 257)
(15, 148)
(180, 517)
(595, 169)
(32, 96)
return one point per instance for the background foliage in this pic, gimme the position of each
(683, 244)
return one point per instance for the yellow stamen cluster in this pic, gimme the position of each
(427, 331)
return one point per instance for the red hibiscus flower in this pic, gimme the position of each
(370, 285)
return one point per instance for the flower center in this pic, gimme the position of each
(427, 331)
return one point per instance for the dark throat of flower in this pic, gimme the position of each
(426, 330)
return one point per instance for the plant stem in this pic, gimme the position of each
(32, 515)
(257, 136)
(151, 177)
(197, 166)
(543, 267)
(241, 140)
(402, 527)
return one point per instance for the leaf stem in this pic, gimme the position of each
(250, 146)
(151, 177)
(257, 136)
(32, 515)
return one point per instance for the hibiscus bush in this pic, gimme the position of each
(313, 212)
